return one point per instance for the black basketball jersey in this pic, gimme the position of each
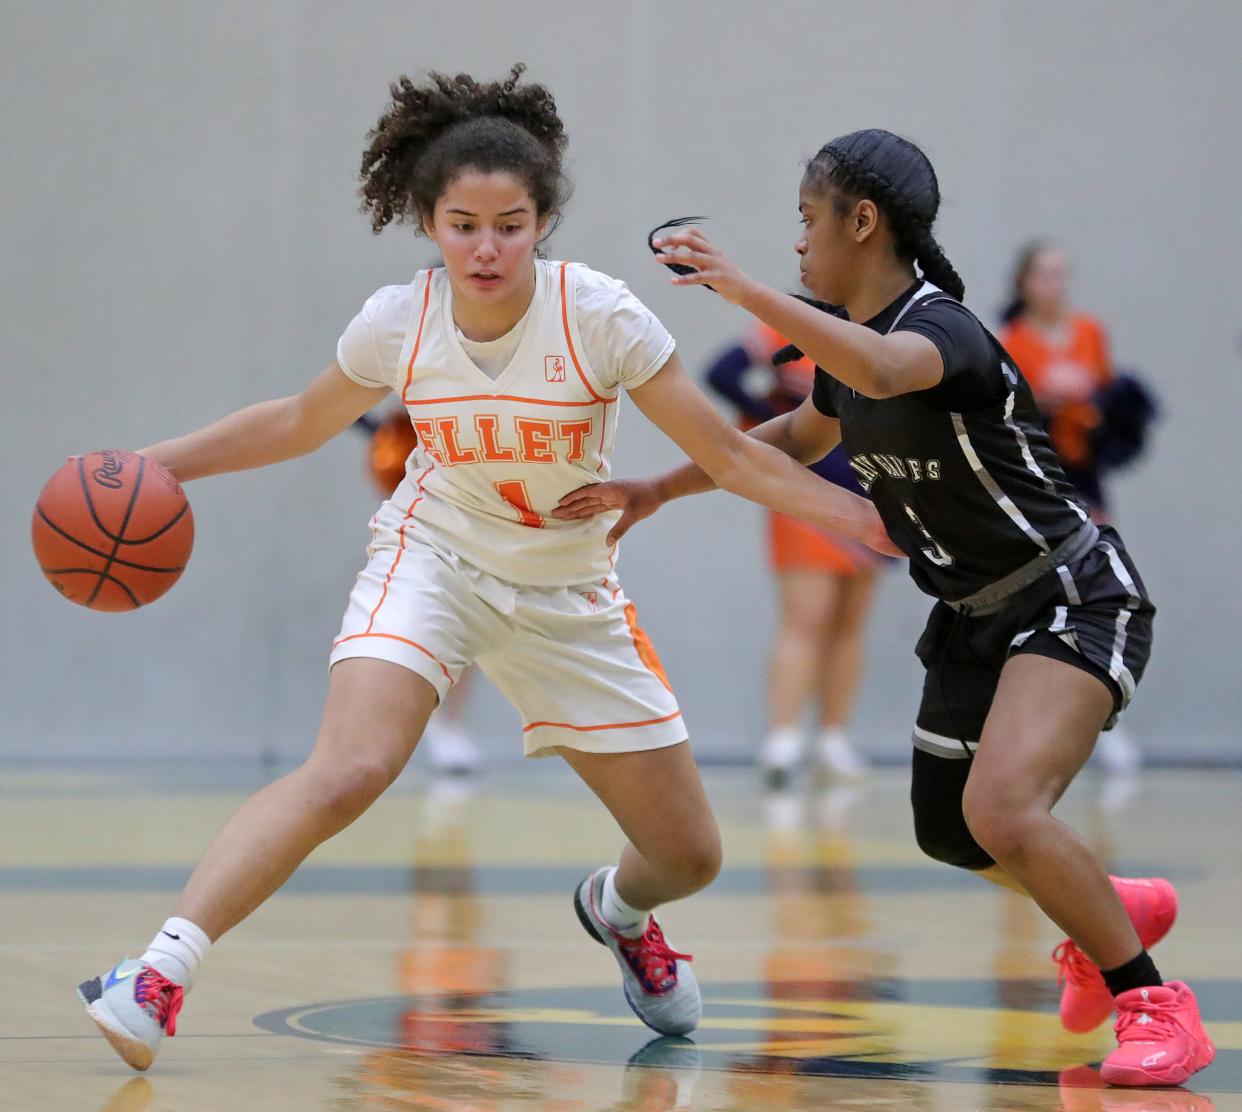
(963, 473)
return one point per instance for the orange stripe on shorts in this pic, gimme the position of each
(644, 647)
(605, 726)
(404, 641)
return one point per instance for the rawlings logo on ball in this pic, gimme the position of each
(108, 472)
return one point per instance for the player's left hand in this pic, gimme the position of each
(690, 247)
(635, 498)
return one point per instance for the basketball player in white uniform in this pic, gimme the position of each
(505, 428)
(511, 368)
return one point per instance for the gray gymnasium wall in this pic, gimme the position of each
(180, 238)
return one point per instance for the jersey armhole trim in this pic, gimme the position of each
(569, 340)
(418, 339)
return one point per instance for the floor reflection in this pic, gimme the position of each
(830, 1002)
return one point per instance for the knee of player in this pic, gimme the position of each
(940, 827)
(1000, 826)
(349, 787)
(942, 831)
(950, 842)
(700, 858)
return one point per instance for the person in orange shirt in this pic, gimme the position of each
(826, 582)
(1063, 354)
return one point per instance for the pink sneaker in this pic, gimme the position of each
(1085, 1000)
(1082, 1089)
(1160, 1039)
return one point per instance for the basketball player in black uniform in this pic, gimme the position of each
(1041, 628)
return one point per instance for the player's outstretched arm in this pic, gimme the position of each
(271, 431)
(803, 434)
(730, 460)
(877, 366)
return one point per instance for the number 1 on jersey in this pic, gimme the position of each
(513, 491)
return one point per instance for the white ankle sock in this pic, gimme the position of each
(623, 919)
(177, 950)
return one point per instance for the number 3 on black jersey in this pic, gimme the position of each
(932, 549)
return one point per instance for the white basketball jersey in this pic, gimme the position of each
(495, 456)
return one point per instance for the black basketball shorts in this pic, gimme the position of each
(1093, 613)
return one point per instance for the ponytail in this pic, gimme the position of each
(937, 269)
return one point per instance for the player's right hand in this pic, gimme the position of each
(635, 498)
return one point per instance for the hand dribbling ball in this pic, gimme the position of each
(112, 530)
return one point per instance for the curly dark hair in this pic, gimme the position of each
(434, 130)
(898, 177)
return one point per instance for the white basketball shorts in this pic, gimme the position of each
(572, 660)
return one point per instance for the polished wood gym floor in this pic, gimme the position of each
(429, 958)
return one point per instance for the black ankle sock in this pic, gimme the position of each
(1138, 972)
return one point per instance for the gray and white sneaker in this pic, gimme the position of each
(135, 1006)
(659, 984)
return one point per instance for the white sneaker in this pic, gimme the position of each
(1117, 753)
(450, 750)
(839, 759)
(135, 1006)
(781, 755)
(659, 984)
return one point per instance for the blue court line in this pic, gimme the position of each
(513, 880)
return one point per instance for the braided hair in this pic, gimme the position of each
(897, 176)
(434, 130)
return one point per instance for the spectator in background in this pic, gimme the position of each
(1063, 354)
(826, 582)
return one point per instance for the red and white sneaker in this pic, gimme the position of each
(1086, 1002)
(1160, 1038)
(135, 1006)
(658, 982)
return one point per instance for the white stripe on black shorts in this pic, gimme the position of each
(1093, 614)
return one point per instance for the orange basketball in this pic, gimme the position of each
(112, 530)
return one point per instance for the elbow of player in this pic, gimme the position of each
(809, 455)
(879, 383)
(728, 470)
(295, 432)
(888, 376)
